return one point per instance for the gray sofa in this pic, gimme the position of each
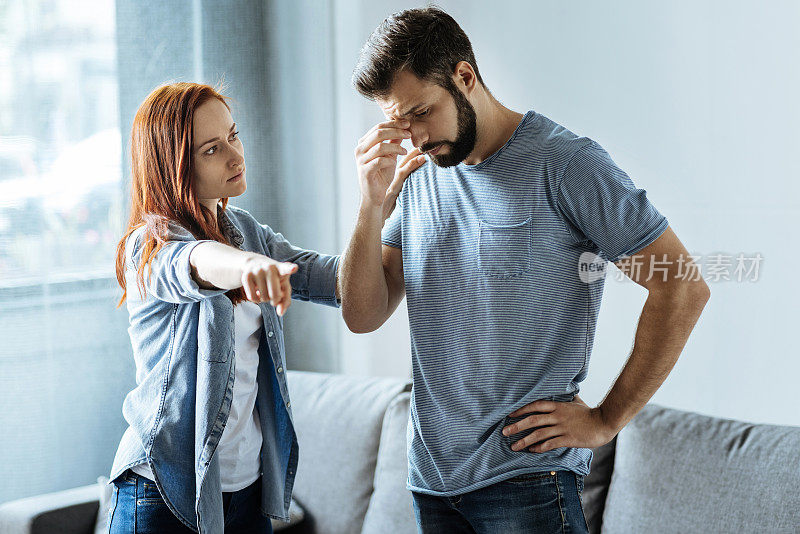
(667, 471)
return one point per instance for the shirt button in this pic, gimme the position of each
(289, 404)
(270, 333)
(280, 370)
(552, 473)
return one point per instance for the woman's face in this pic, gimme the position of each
(218, 155)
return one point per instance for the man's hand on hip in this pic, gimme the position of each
(560, 424)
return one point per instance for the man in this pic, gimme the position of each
(492, 240)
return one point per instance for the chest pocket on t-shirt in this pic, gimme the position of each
(504, 251)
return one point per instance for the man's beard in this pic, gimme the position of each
(465, 138)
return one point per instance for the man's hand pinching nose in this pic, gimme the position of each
(376, 157)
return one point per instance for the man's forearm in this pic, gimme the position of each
(216, 265)
(664, 327)
(365, 294)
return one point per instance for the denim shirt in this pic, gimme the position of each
(183, 345)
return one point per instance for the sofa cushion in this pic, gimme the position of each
(390, 506)
(595, 485)
(678, 471)
(70, 511)
(338, 420)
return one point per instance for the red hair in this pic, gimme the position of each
(162, 184)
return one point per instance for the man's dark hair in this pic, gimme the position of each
(427, 42)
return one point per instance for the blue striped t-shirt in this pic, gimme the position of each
(499, 315)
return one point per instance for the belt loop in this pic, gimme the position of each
(130, 476)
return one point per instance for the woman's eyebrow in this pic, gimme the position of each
(232, 128)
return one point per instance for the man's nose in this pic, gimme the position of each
(418, 136)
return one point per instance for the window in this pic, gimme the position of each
(60, 161)
(65, 357)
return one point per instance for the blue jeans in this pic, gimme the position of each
(546, 502)
(137, 508)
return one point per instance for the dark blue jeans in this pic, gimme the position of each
(137, 508)
(547, 502)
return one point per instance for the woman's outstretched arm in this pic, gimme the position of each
(219, 266)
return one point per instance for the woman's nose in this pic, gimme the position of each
(237, 159)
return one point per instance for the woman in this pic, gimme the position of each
(210, 444)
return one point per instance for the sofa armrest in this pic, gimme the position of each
(72, 511)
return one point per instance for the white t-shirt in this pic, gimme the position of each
(239, 448)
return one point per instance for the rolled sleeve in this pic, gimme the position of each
(315, 279)
(169, 276)
(322, 276)
(601, 204)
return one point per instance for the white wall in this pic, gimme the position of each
(305, 146)
(697, 102)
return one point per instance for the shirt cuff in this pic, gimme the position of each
(322, 281)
